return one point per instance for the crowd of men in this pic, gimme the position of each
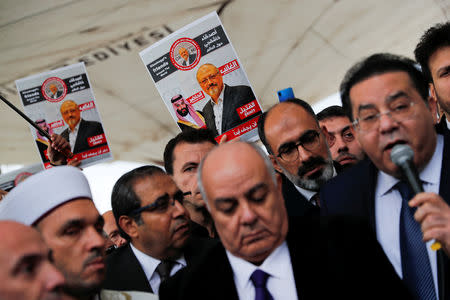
(351, 203)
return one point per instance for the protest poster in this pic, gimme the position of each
(61, 101)
(10, 180)
(202, 82)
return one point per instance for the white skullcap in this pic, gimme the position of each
(42, 192)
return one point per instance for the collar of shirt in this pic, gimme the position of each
(149, 263)
(75, 130)
(386, 182)
(308, 194)
(275, 265)
(448, 123)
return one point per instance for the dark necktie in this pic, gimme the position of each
(164, 269)
(259, 279)
(416, 267)
(316, 199)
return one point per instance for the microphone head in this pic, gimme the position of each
(401, 153)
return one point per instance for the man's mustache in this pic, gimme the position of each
(97, 253)
(310, 165)
(345, 154)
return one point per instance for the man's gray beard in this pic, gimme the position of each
(311, 184)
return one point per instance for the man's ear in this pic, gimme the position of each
(128, 225)
(275, 163)
(432, 103)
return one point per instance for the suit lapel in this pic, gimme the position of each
(132, 273)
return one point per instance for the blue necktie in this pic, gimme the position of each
(415, 262)
(259, 279)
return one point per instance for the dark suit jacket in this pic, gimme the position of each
(328, 260)
(233, 98)
(441, 127)
(296, 204)
(85, 131)
(124, 272)
(353, 193)
(191, 60)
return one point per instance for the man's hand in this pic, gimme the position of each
(56, 148)
(433, 214)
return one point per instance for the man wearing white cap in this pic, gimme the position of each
(58, 202)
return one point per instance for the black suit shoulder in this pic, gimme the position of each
(210, 279)
(124, 272)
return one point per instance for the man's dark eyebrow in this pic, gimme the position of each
(254, 189)
(444, 68)
(365, 106)
(286, 144)
(73, 223)
(28, 258)
(224, 200)
(395, 96)
(345, 128)
(189, 163)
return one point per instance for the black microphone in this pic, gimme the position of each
(402, 155)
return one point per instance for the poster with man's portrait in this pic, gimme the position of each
(202, 82)
(61, 101)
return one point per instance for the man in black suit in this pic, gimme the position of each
(147, 206)
(298, 149)
(221, 112)
(187, 58)
(388, 99)
(263, 254)
(79, 130)
(433, 54)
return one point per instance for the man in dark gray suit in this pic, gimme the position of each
(221, 112)
(79, 130)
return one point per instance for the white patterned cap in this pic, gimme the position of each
(41, 193)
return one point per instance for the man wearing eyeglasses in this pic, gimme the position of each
(221, 112)
(343, 145)
(298, 149)
(387, 98)
(147, 206)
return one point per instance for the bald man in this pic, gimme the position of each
(110, 228)
(26, 271)
(79, 130)
(221, 112)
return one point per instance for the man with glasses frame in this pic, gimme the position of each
(343, 145)
(387, 98)
(298, 149)
(147, 206)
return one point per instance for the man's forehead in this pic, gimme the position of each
(184, 151)
(82, 208)
(287, 122)
(335, 124)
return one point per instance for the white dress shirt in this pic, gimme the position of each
(218, 110)
(388, 204)
(73, 136)
(149, 265)
(308, 194)
(281, 282)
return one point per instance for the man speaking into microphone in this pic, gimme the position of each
(387, 99)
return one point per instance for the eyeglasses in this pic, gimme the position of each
(309, 141)
(346, 134)
(369, 119)
(161, 204)
(209, 78)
